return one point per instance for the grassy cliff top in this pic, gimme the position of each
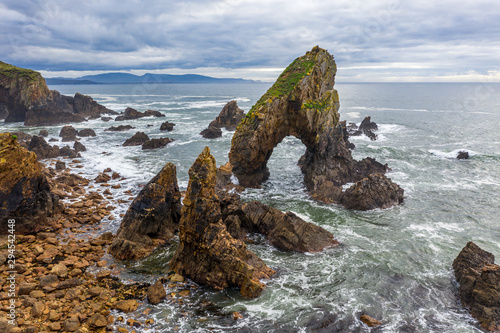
(14, 72)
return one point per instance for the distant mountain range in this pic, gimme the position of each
(124, 78)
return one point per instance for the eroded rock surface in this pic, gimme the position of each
(479, 285)
(137, 139)
(229, 117)
(212, 132)
(156, 143)
(375, 191)
(42, 149)
(131, 114)
(167, 126)
(152, 218)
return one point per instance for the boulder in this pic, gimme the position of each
(137, 139)
(167, 126)
(211, 132)
(131, 114)
(229, 117)
(68, 133)
(67, 151)
(102, 178)
(152, 218)
(60, 165)
(366, 127)
(78, 147)
(86, 132)
(120, 128)
(369, 321)
(156, 293)
(106, 119)
(463, 155)
(207, 253)
(153, 113)
(479, 285)
(42, 149)
(375, 191)
(43, 133)
(25, 191)
(156, 143)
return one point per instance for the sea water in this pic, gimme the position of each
(393, 264)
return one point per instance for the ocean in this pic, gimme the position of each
(393, 264)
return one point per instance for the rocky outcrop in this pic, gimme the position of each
(78, 147)
(156, 143)
(375, 191)
(42, 149)
(25, 192)
(131, 114)
(211, 132)
(304, 104)
(207, 253)
(120, 128)
(479, 285)
(43, 133)
(463, 155)
(366, 127)
(68, 133)
(86, 132)
(26, 97)
(167, 126)
(137, 140)
(229, 117)
(152, 218)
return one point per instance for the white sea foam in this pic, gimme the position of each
(452, 154)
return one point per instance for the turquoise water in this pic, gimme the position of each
(394, 264)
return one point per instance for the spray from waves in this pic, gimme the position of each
(452, 154)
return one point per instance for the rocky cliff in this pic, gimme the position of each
(25, 192)
(24, 95)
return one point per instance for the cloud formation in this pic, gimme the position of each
(371, 40)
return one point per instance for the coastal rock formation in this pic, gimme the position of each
(120, 128)
(26, 97)
(375, 191)
(479, 285)
(42, 149)
(463, 155)
(43, 133)
(366, 127)
(68, 133)
(131, 114)
(138, 139)
(86, 132)
(152, 218)
(229, 117)
(211, 132)
(167, 126)
(156, 143)
(207, 253)
(303, 103)
(78, 147)
(25, 192)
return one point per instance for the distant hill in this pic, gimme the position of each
(124, 78)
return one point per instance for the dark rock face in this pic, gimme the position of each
(463, 155)
(68, 133)
(120, 128)
(86, 132)
(138, 139)
(78, 147)
(43, 133)
(366, 127)
(376, 191)
(131, 114)
(25, 192)
(211, 132)
(156, 143)
(67, 151)
(60, 165)
(4, 112)
(42, 149)
(166, 126)
(152, 218)
(479, 285)
(207, 253)
(230, 116)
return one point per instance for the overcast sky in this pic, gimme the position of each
(391, 40)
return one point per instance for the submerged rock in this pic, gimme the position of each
(137, 140)
(25, 192)
(479, 285)
(119, 128)
(86, 132)
(207, 253)
(152, 218)
(211, 132)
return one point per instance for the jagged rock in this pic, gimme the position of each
(68, 133)
(154, 113)
(4, 111)
(211, 132)
(156, 143)
(207, 253)
(78, 147)
(119, 128)
(375, 191)
(60, 165)
(138, 139)
(42, 149)
(479, 285)
(366, 127)
(106, 119)
(131, 114)
(230, 116)
(102, 178)
(67, 151)
(156, 293)
(302, 103)
(463, 155)
(43, 133)
(25, 192)
(152, 218)
(86, 132)
(166, 126)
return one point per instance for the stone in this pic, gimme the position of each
(67, 151)
(369, 321)
(43, 133)
(211, 132)
(120, 128)
(42, 149)
(50, 280)
(479, 285)
(37, 309)
(229, 117)
(137, 140)
(106, 119)
(127, 305)
(207, 253)
(176, 278)
(25, 288)
(86, 132)
(102, 178)
(78, 147)
(463, 155)
(95, 291)
(60, 166)
(152, 218)
(366, 127)
(375, 191)
(60, 270)
(68, 133)
(25, 190)
(156, 143)
(55, 326)
(131, 114)
(167, 126)
(97, 320)
(156, 293)
(71, 324)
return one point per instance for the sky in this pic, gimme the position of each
(372, 41)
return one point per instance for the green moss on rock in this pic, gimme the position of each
(13, 72)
